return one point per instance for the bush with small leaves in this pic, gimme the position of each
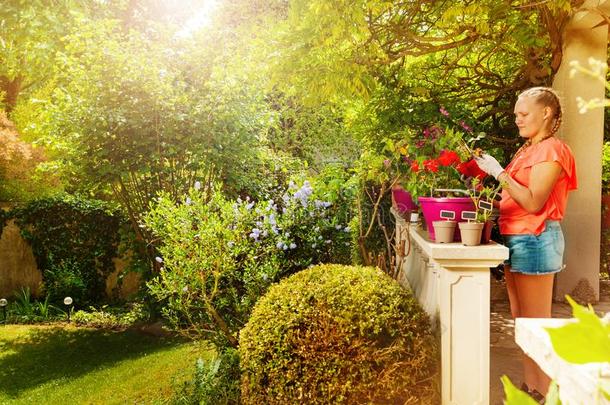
(215, 381)
(338, 334)
(218, 256)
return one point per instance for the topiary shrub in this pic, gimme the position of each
(338, 334)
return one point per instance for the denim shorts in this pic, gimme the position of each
(541, 254)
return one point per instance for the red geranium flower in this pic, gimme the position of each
(471, 169)
(448, 158)
(415, 167)
(431, 165)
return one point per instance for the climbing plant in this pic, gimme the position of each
(74, 240)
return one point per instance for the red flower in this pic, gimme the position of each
(415, 167)
(448, 158)
(431, 165)
(471, 169)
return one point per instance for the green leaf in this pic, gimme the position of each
(585, 341)
(514, 396)
(552, 396)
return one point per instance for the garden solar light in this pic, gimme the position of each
(3, 304)
(68, 302)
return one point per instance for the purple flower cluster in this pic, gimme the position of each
(303, 194)
(465, 126)
(268, 220)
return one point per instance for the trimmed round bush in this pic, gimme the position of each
(338, 334)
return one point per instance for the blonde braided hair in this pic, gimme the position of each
(548, 98)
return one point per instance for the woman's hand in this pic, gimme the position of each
(489, 165)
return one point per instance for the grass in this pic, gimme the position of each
(61, 365)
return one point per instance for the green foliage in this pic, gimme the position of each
(74, 241)
(111, 317)
(23, 309)
(19, 179)
(584, 341)
(65, 279)
(373, 226)
(606, 168)
(480, 192)
(216, 381)
(515, 396)
(220, 256)
(454, 52)
(31, 33)
(316, 134)
(126, 125)
(337, 334)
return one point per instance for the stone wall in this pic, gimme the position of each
(17, 264)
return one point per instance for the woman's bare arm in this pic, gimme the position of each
(543, 177)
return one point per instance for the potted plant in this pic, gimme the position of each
(430, 165)
(471, 232)
(437, 165)
(479, 230)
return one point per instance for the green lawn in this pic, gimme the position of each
(69, 365)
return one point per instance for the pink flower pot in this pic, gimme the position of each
(432, 206)
(404, 201)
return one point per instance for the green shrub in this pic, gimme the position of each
(23, 309)
(215, 381)
(65, 279)
(111, 318)
(219, 256)
(74, 240)
(337, 334)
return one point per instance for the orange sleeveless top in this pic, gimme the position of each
(514, 220)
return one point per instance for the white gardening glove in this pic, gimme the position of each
(489, 165)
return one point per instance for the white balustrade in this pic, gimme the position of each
(451, 281)
(578, 383)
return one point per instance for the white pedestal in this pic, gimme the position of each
(451, 281)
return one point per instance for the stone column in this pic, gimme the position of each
(451, 282)
(584, 133)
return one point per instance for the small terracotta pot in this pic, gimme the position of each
(443, 231)
(471, 232)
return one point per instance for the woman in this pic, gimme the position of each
(536, 184)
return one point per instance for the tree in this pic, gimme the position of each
(18, 160)
(134, 118)
(30, 34)
(465, 53)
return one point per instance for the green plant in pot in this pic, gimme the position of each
(478, 230)
(435, 165)
(430, 164)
